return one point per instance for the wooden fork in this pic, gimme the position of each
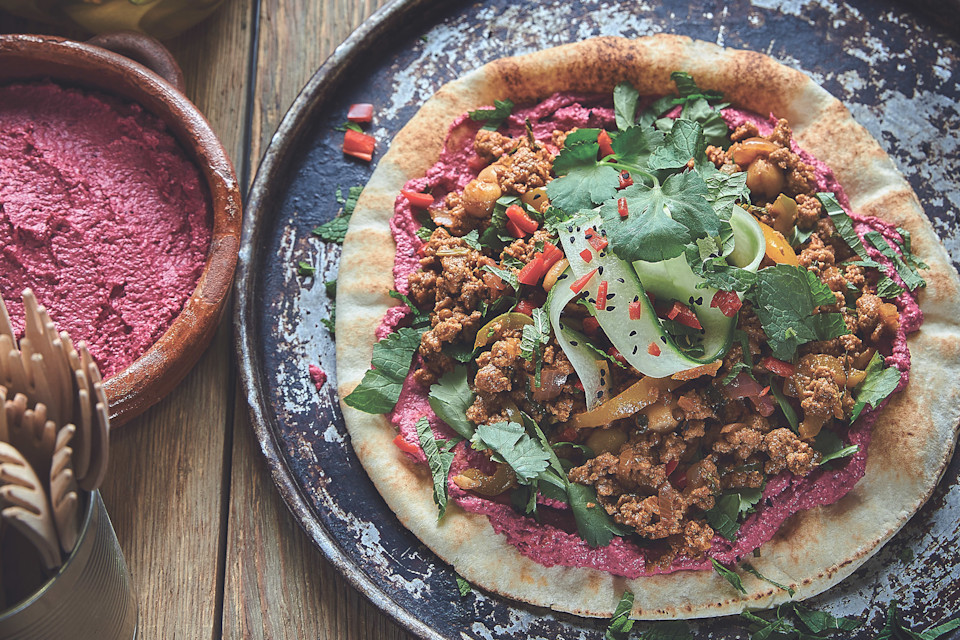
(63, 491)
(26, 506)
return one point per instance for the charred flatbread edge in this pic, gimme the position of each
(912, 440)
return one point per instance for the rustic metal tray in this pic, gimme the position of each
(898, 73)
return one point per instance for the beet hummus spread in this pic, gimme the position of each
(721, 453)
(101, 214)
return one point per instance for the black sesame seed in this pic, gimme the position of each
(611, 296)
(600, 270)
(572, 239)
(600, 393)
(690, 301)
(611, 308)
(634, 349)
(574, 342)
(663, 340)
(700, 300)
(621, 280)
(636, 298)
(570, 229)
(561, 325)
(633, 333)
(562, 276)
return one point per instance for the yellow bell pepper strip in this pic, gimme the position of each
(634, 398)
(778, 247)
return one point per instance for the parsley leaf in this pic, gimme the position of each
(439, 462)
(746, 566)
(907, 273)
(625, 98)
(511, 444)
(584, 182)
(728, 575)
(379, 390)
(336, 230)
(535, 336)
(784, 300)
(463, 587)
(684, 142)
(621, 624)
(725, 515)
(663, 219)
(879, 383)
(450, 398)
(843, 223)
(492, 117)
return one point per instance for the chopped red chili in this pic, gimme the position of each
(525, 307)
(591, 326)
(779, 367)
(582, 281)
(359, 145)
(602, 295)
(586, 255)
(532, 271)
(682, 314)
(599, 243)
(635, 309)
(417, 199)
(622, 207)
(614, 353)
(519, 217)
(606, 145)
(625, 179)
(360, 112)
(406, 447)
(514, 230)
(653, 349)
(727, 301)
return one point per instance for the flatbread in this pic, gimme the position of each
(912, 439)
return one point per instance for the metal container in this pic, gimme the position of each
(90, 598)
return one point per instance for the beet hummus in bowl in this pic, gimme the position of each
(118, 207)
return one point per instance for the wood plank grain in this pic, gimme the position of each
(277, 583)
(164, 487)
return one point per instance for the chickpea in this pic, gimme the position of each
(765, 179)
(660, 416)
(784, 211)
(479, 198)
(491, 173)
(536, 198)
(749, 150)
(551, 276)
(606, 440)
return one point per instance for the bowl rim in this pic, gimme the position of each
(166, 362)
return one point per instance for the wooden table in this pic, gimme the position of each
(211, 546)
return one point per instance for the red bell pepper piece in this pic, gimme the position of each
(653, 349)
(591, 326)
(625, 179)
(551, 255)
(525, 307)
(622, 207)
(682, 314)
(405, 446)
(727, 301)
(417, 199)
(606, 145)
(360, 112)
(582, 281)
(514, 230)
(779, 367)
(519, 217)
(599, 243)
(635, 309)
(586, 255)
(602, 295)
(359, 145)
(532, 271)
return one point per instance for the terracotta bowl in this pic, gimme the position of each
(155, 373)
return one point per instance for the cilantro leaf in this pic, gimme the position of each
(635, 145)
(843, 223)
(831, 447)
(888, 288)
(784, 299)
(625, 98)
(663, 219)
(684, 142)
(746, 566)
(621, 624)
(724, 190)
(555, 219)
(439, 462)
(450, 398)
(511, 444)
(463, 587)
(725, 515)
(715, 129)
(728, 575)
(879, 383)
(492, 117)
(593, 523)
(907, 273)
(379, 390)
(583, 181)
(306, 269)
(820, 622)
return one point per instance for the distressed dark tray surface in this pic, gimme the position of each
(897, 72)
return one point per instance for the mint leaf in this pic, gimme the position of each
(729, 576)
(820, 622)
(635, 145)
(511, 444)
(908, 256)
(507, 275)
(831, 447)
(784, 299)
(593, 523)
(379, 390)
(879, 383)
(688, 89)
(625, 99)
(746, 566)
(333, 231)
(331, 287)
(450, 398)
(888, 288)
(621, 624)
(907, 273)
(463, 587)
(935, 632)
(684, 142)
(725, 515)
(306, 269)
(843, 223)
(663, 219)
(533, 339)
(894, 629)
(785, 405)
(493, 117)
(583, 182)
(439, 462)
